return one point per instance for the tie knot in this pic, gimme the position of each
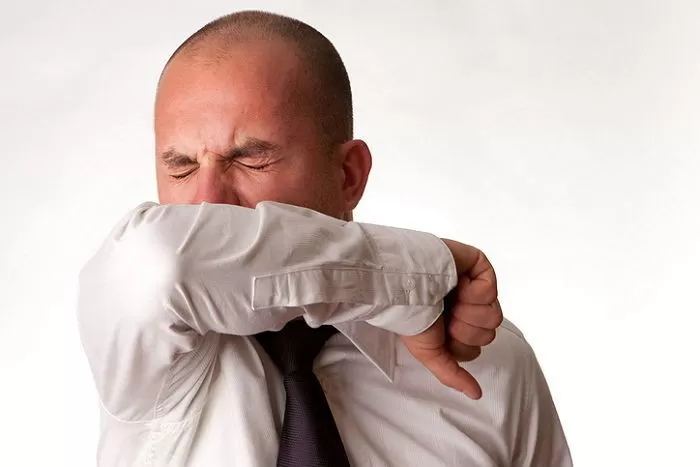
(295, 347)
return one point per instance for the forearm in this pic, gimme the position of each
(242, 271)
(168, 275)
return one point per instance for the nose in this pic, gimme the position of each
(213, 187)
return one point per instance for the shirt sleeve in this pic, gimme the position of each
(168, 276)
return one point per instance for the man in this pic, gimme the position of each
(183, 307)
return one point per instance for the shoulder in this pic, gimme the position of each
(509, 351)
(508, 371)
(512, 379)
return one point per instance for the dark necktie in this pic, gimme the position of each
(310, 437)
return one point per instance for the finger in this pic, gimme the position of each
(481, 292)
(482, 316)
(482, 286)
(429, 349)
(463, 352)
(468, 334)
(449, 373)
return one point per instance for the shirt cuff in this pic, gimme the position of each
(428, 274)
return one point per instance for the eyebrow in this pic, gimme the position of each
(250, 147)
(174, 159)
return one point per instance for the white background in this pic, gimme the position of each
(561, 137)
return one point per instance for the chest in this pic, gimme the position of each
(410, 421)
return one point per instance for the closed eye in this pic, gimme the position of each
(181, 176)
(255, 167)
(260, 167)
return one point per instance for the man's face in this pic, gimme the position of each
(240, 131)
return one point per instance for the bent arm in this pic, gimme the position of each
(167, 275)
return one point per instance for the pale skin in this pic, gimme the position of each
(239, 130)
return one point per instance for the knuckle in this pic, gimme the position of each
(489, 294)
(496, 318)
(454, 326)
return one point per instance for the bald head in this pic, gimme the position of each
(327, 91)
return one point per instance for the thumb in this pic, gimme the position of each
(429, 349)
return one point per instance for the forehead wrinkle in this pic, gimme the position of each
(233, 98)
(249, 147)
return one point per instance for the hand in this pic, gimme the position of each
(472, 310)
(473, 316)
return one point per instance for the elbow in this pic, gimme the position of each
(126, 282)
(129, 335)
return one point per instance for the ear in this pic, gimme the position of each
(357, 163)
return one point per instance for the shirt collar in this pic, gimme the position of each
(377, 344)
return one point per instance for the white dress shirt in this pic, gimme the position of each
(167, 304)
